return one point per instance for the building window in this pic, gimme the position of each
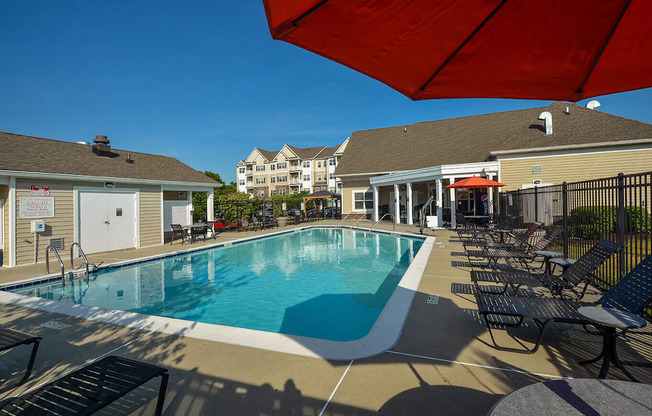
(281, 191)
(319, 163)
(282, 165)
(282, 178)
(330, 176)
(241, 170)
(261, 192)
(273, 191)
(260, 168)
(306, 178)
(241, 182)
(331, 162)
(272, 179)
(250, 192)
(306, 163)
(260, 180)
(363, 200)
(319, 178)
(272, 167)
(332, 189)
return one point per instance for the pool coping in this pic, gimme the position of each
(383, 335)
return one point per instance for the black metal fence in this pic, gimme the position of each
(616, 208)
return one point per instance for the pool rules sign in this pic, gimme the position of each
(36, 207)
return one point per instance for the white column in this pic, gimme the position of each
(397, 205)
(490, 197)
(11, 261)
(408, 207)
(375, 203)
(190, 208)
(453, 205)
(210, 206)
(440, 205)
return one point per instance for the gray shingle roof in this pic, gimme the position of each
(33, 154)
(267, 154)
(471, 139)
(306, 152)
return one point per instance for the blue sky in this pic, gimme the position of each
(201, 81)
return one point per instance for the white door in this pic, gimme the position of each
(107, 221)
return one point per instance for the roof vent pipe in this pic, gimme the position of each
(101, 146)
(547, 121)
(593, 104)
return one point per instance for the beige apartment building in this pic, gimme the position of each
(289, 170)
(395, 170)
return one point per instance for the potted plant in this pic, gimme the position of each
(282, 219)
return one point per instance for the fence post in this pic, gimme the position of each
(564, 204)
(536, 203)
(621, 223)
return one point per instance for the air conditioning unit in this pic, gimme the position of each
(537, 182)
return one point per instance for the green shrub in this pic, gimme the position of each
(637, 220)
(592, 222)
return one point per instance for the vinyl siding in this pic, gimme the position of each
(514, 173)
(4, 194)
(348, 188)
(150, 216)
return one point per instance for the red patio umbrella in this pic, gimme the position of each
(476, 182)
(552, 50)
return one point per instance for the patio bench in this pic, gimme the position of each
(88, 389)
(10, 338)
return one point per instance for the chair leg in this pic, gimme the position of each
(161, 394)
(30, 364)
(525, 349)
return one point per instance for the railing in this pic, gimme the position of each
(616, 208)
(345, 218)
(72, 257)
(47, 263)
(422, 217)
(382, 218)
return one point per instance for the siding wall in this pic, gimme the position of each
(514, 173)
(4, 194)
(62, 225)
(348, 187)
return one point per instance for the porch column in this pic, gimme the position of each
(397, 205)
(408, 207)
(453, 205)
(490, 198)
(210, 206)
(440, 205)
(375, 203)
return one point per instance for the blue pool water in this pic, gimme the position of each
(321, 282)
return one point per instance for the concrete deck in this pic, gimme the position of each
(443, 363)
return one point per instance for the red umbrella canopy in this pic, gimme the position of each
(553, 50)
(476, 182)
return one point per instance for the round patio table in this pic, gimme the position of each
(547, 255)
(577, 397)
(608, 320)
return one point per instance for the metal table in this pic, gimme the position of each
(196, 230)
(547, 255)
(608, 320)
(577, 397)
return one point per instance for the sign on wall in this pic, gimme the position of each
(39, 190)
(36, 207)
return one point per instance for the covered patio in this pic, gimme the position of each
(407, 192)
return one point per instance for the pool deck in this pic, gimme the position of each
(442, 364)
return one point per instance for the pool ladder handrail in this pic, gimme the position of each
(47, 263)
(359, 219)
(72, 258)
(422, 222)
(344, 219)
(382, 218)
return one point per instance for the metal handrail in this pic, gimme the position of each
(47, 263)
(344, 219)
(359, 219)
(422, 222)
(72, 265)
(382, 218)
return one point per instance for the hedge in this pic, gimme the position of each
(593, 222)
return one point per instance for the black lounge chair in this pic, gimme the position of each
(573, 277)
(88, 389)
(632, 294)
(520, 242)
(10, 338)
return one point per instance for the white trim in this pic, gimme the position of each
(77, 213)
(12, 221)
(89, 178)
(364, 200)
(351, 175)
(2, 224)
(162, 217)
(4, 180)
(437, 172)
(578, 153)
(571, 147)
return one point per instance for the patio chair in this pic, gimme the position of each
(10, 338)
(88, 389)
(521, 241)
(632, 294)
(178, 232)
(573, 277)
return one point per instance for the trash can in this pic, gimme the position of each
(297, 219)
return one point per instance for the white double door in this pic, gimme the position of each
(107, 220)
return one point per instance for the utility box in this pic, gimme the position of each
(37, 226)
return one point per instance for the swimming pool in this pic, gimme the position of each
(310, 291)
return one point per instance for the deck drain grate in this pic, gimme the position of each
(433, 299)
(55, 325)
